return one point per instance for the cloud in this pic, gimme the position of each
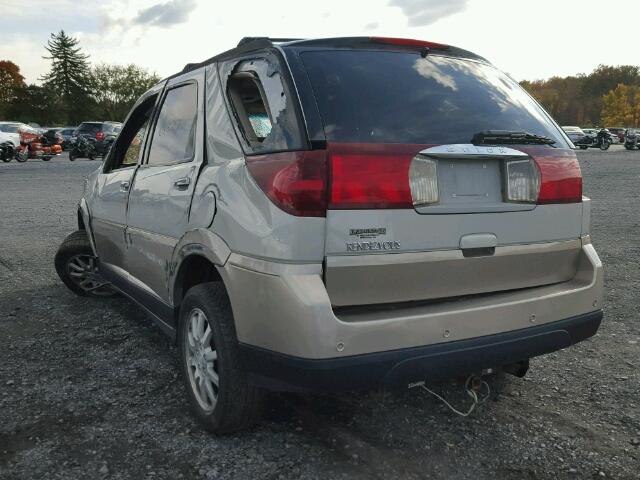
(426, 12)
(165, 14)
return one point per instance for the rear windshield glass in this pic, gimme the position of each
(9, 127)
(90, 128)
(397, 97)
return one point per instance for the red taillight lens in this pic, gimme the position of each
(295, 181)
(560, 176)
(100, 136)
(365, 176)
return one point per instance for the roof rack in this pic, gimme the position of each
(244, 40)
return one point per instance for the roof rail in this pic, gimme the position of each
(244, 40)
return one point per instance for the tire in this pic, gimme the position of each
(76, 266)
(92, 156)
(72, 156)
(605, 145)
(583, 147)
(206, 322)
(22, 156)
(46, 158)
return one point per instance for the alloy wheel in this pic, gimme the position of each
(83, 271)
(202, 360)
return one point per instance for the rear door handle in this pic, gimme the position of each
(182, 182)
(124, 186)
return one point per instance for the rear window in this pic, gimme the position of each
(397, 97)
(9, 127)
(90, 128)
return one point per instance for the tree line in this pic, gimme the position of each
(608, 96)
(73, 90)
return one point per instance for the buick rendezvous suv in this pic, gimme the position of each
(336, 214)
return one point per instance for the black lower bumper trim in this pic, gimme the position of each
(276, 371)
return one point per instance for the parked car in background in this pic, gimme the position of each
(53, 136)
(104, 133)
(334, 215)
(618, 132)
(632, 139)
(10, 138)
(576, 135)
(67, 135)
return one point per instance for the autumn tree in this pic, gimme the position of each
(578, 99)
(620, 106)
(115, 88)
(11, 81)
(69, 77)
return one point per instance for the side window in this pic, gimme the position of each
(127, 148)
(262, 104)
(250, 105)
(174, 136)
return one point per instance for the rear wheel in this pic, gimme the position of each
(77, 267)
(220, 395)
(46, 158)
(583, 147)
(72, 156)
(22, 155)
(92, 156)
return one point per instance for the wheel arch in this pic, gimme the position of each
(197, 258)
(84, 222)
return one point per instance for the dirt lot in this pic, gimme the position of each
(88, 388)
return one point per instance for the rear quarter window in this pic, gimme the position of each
(401, 97)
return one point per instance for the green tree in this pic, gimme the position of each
(69, 77)
(116, 88)
(34, 103)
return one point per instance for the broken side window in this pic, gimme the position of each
(262, 104)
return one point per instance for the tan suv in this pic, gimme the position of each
(314, 215)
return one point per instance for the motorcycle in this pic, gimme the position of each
(601, 140)
(631, 140)
(35, 145)
(83, 147)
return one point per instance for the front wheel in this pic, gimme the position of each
(77, 267)
(72, 156)
(583, 147)
(46, 158)
(220, 395)
(604, 145)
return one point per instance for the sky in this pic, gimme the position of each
(532, 39)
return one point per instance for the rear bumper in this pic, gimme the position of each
(276, 371)
(285, 308)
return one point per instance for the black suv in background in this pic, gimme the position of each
(104, 133)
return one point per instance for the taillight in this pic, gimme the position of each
(560, 175)
(100, 136)
(522, 181)
(423, 180)
(367, 176)
(296, 182)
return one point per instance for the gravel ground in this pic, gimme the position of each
(88, 388)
